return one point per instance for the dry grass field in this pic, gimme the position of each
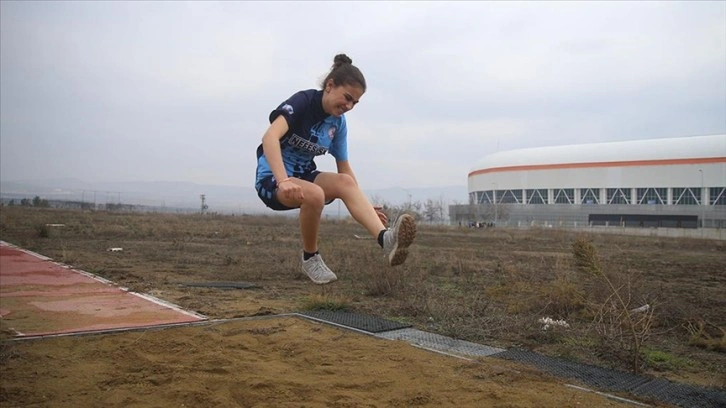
(489, 286)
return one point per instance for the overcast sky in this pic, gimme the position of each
(180, 91)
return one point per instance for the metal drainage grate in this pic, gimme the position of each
(440, 343)
(682, 395)
(371, 324)
(678, 394)
(595, 376)
(221, 285)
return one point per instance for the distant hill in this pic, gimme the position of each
(219, 198)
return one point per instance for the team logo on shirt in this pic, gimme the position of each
(331, 132)
(306, 145)
(287, 108)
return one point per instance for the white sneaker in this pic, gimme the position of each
(317, 271)
(397, 239)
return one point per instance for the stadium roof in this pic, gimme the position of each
(712, 146)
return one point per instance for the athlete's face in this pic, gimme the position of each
(340, 99)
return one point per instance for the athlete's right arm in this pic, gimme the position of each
(271, 146)
(273, 154)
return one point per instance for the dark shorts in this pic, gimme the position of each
(267, 186)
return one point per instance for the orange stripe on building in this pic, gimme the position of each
(559, 166)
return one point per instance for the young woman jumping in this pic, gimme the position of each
(312, 123)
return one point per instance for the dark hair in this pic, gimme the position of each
(344, 72)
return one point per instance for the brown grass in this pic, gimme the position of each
(489, 286)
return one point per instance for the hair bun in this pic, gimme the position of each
(341, 59)
(343, 72)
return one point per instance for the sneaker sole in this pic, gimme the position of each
(325, 282)
(321, 282)
(406, 235)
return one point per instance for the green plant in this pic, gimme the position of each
(323, 302)
(663, 360)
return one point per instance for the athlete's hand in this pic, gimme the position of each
(290, 190)
(381, 215)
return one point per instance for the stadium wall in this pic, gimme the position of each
(662, 183)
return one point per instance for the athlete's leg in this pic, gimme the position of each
(342, 186)
(311, 208)
(395, 240)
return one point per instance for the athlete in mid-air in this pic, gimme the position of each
(308, 124)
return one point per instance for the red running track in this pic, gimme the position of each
(39, 297)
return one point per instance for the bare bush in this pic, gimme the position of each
(706, 335)
(616, 320)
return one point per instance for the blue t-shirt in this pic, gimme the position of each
(311, 132)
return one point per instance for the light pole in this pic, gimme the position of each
(204, 205)
(494, 200)
(703, 203)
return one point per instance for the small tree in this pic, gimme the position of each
(432, 211)
(39, 202)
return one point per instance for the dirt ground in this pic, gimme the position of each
(266, 362)
(252, 357)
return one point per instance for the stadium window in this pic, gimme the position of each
(617, 196)
(536, 196)
(686, 196)
(509, 196)
(564, 196)
(590, 196)
(717, 195)
(487, 197)
(652, 195)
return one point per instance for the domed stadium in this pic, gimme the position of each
(671, 183)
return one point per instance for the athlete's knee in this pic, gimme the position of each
(344, 186)
(338, 185)
(314, 196)
(345, 181)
